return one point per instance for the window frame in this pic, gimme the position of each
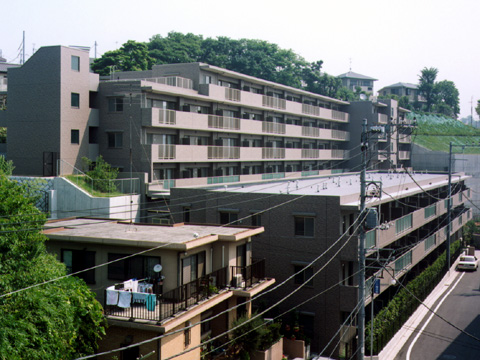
(75, 100)
(81, 260)
(127, 266)
(302, 273)
(115, 104)
(75, 136)
(75, 65)
(302, 228)
(114, 142)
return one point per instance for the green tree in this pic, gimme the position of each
(427, 86)
(477, 108)
(447, 97)
(132, 56)
(57, 320)
(175, 48)
(6, 167)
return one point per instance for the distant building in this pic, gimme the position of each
(403, 89)
(192, 273)
(353, 80)
(391, 149)
(4, 66)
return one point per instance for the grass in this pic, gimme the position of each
(435, 133)
(86, 184)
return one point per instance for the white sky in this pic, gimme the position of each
(388, 40)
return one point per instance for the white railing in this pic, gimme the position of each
(223, 122)
(166, 151)
(172, 81)
(310, 109)
(273, 153)
(273, 128)
(223, 152)
(339, 115)
(310, 153)
(274, 102)
(233, 94)
(310, 131)
(341, 135)
(382, 118)
(167, 117)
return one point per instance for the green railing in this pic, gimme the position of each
(273, 176)
(403, 223)
(371, 239)
(430, 211)
(430, 241)
(310, 173)
(402, 262)
(223, 179)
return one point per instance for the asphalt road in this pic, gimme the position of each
(460, 306)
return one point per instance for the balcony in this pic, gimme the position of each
(172, 81)
(261, 102)
(170, 303)
(404, 155)
(382, 118)
(205, 122)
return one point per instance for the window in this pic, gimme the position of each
(93, 134)
(205, 327)
(346, 276)
(115, 104)
(75, 100)
(186, 214)
(228, 217)
(77, 260)
(193, 267)
(138, 267)
(303, 275)
(75, 136)
(75, 63)
(208, 79)
(187, 333)
(256, 219)
(304, 226)
(115, 140)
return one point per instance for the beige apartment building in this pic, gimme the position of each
(185, 275)
(184, 123)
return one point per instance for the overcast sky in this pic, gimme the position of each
(387, 40)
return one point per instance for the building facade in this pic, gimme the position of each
(303, 220)
(186, 274)
(389, 149)
(180, 121)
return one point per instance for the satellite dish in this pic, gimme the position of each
(157, 268)
(363, 97)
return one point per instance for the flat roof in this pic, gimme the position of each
(347, 187)
(179, 236)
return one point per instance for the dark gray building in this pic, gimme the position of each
(304, 218)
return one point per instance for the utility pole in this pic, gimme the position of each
(361, 248)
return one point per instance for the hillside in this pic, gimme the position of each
(436, 132)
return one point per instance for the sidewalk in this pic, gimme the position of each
(391, 350)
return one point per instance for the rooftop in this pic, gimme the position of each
(179, 236)
(347, 187)
(402, 84)
(354, 75)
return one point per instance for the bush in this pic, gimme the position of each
(102, 173)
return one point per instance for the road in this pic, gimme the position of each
(435, 339)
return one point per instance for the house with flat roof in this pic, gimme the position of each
(161, 279)
(311, 233)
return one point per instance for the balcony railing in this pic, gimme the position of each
(223, 122)
(273, 153)
(249, 274)
(167, 117)
(173, 301)
(233, 94)
(310, 153)
(310, 109)
(223, 152)
(310, 131)
(274, 102)
(173, 81)
(166, 151)
(273, 128)
(382, 118)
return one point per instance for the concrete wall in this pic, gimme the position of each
(69, 200)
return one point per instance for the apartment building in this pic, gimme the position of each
(185, 274)
(389, 149)
(352, 80)
(51, 111)
(304, 218)
(184, 124)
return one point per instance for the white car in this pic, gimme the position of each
(467, 262)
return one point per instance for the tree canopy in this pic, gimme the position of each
(58, 320)
(441, 97)
(256, 58)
